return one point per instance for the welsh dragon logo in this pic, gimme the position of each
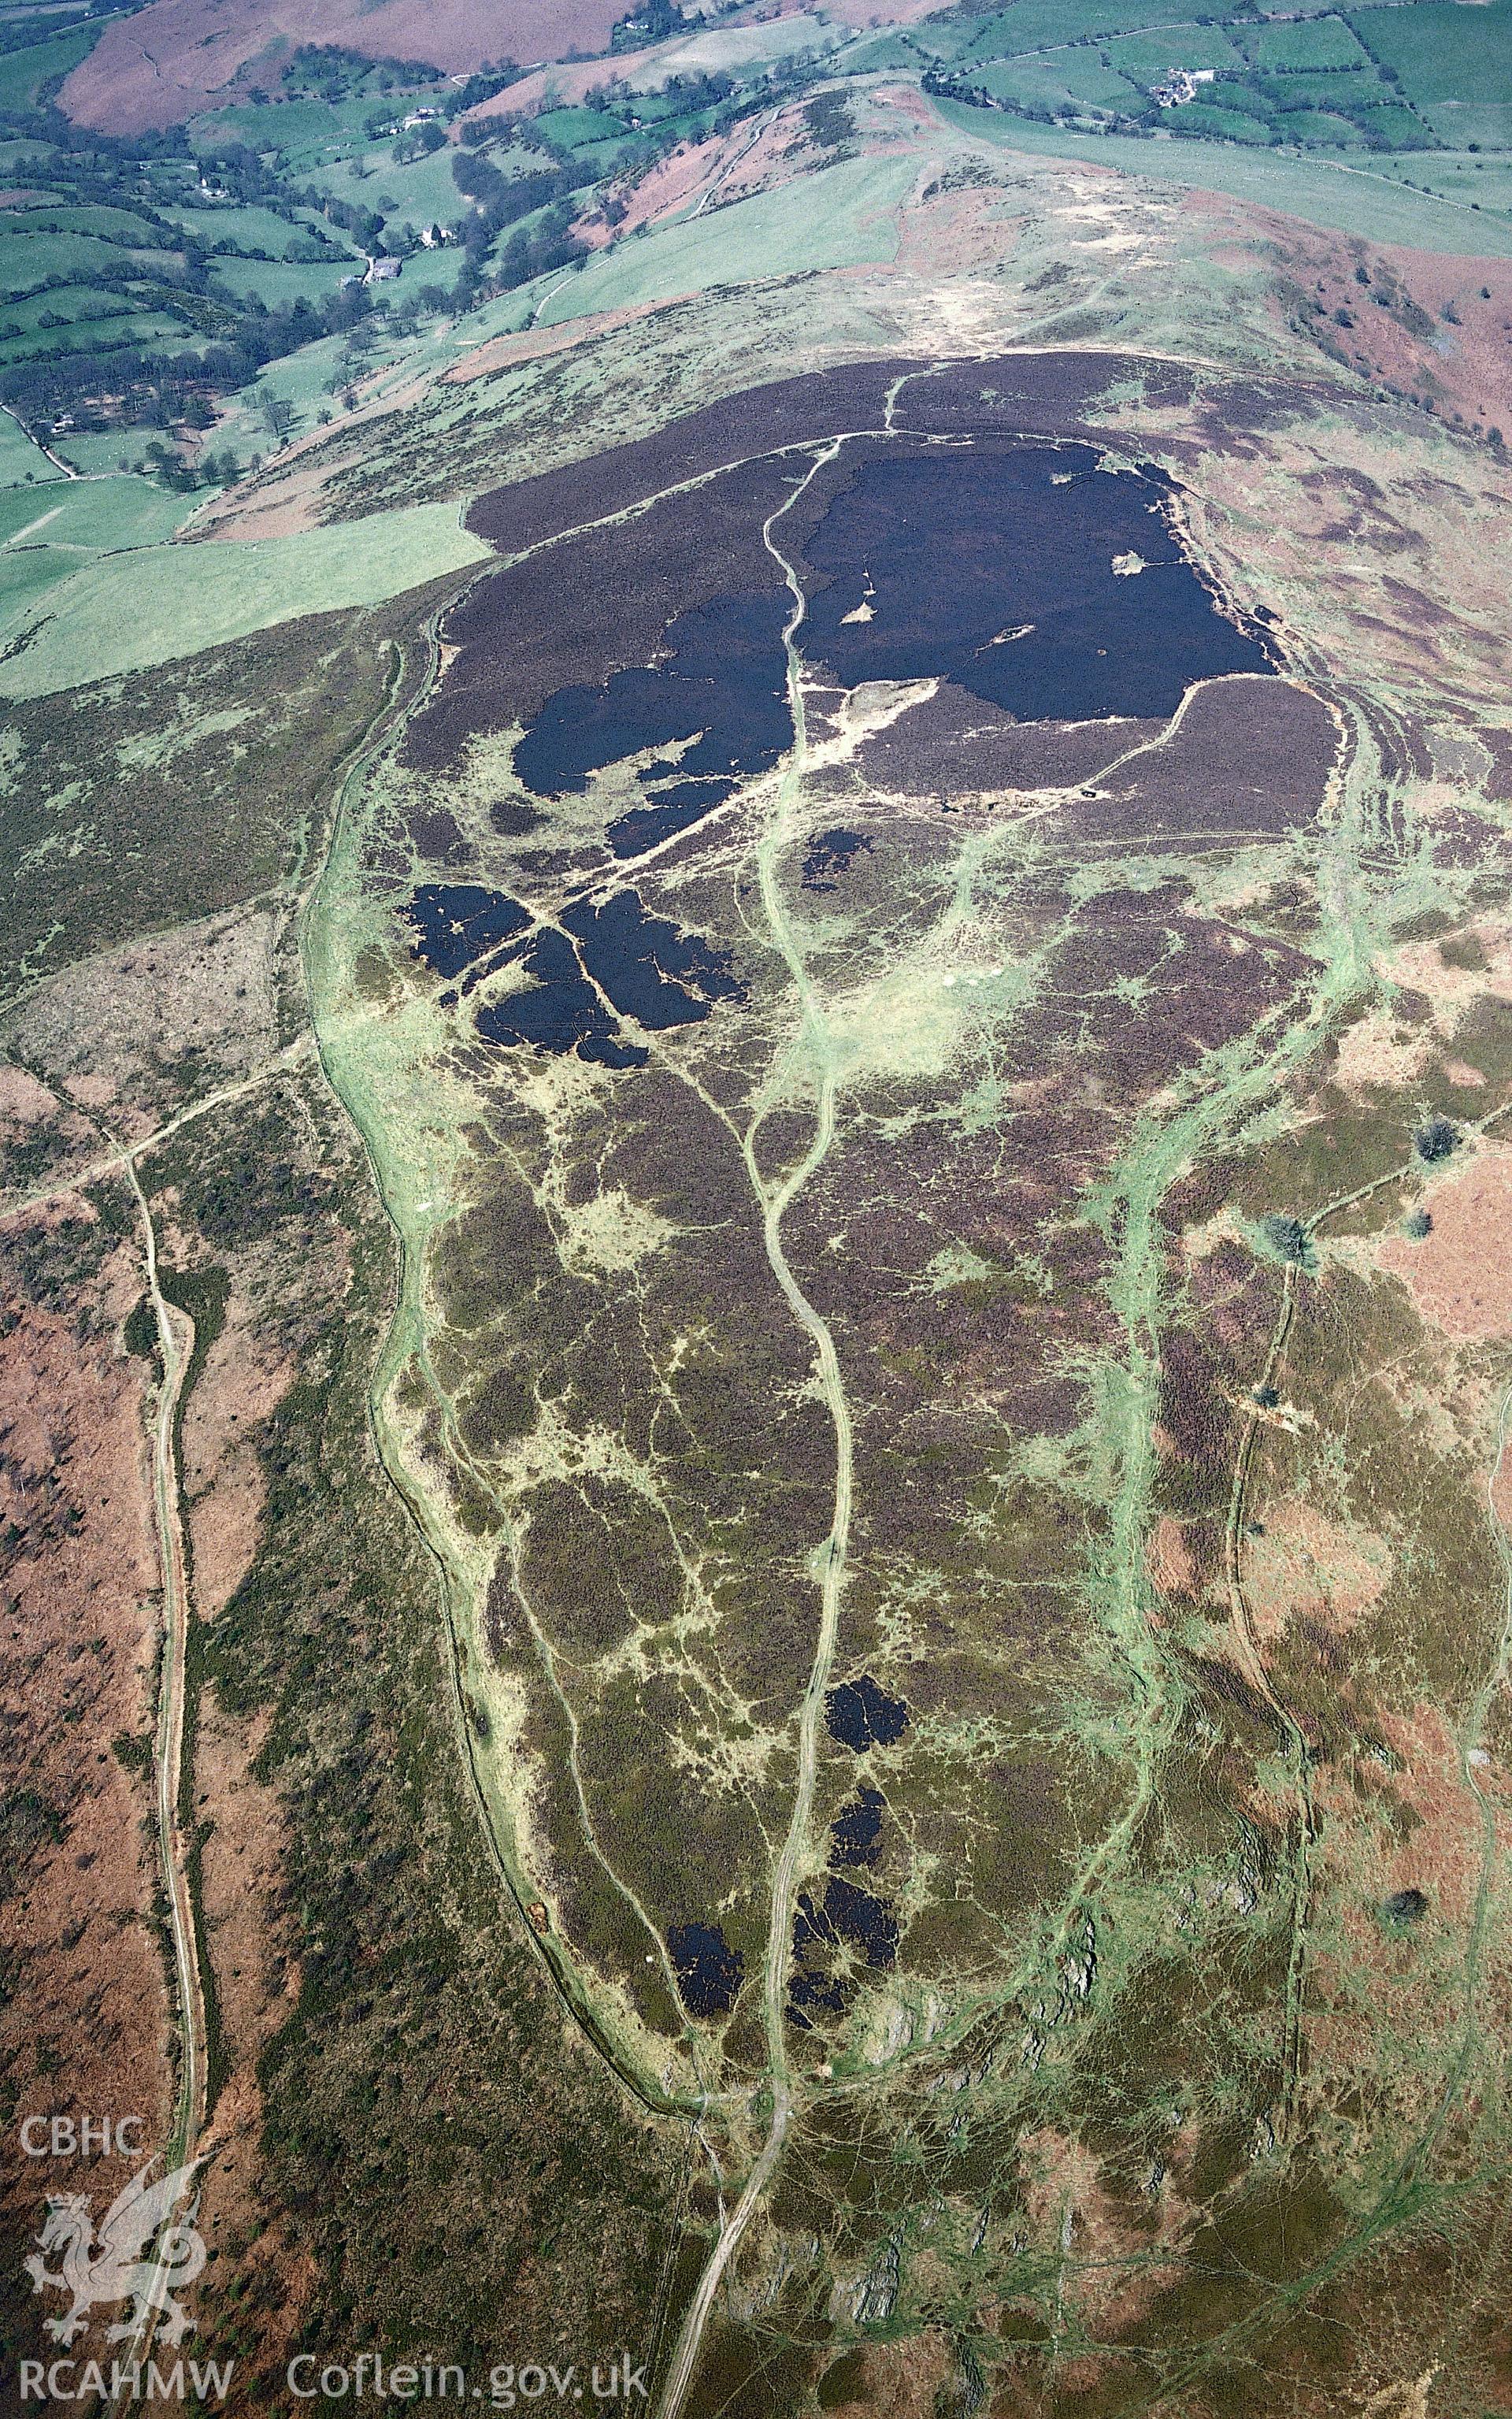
(120, 2262)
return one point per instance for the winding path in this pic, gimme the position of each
(775, 1202)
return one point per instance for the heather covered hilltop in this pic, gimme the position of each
(753, 1179)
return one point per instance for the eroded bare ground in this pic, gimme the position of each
(974, 1544)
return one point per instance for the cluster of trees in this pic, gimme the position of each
(45, 386)
(325, 71)
(537, 251)
(500, 201)
(181, 477)
(830, 121)
(417, 142)
(654, 20)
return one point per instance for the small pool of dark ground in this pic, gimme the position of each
(855, 1835)
(994, 565)
(645, 966)
(860, 1714)
(829, 855)
(708, 1970)
(845, 1917)
(561, 1012)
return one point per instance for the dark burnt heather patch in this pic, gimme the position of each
(1024, 573)
(559, 1010)
(836, 1931)
(856, 1832)
(649, 970)
(861, 1715)
(720, 694)
(648, 611)
(790, 411)
(457, 922)
(594, 606)
(646, 966)
(708, 1970)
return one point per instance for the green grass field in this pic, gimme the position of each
(95, 454)
(1039, 25)
(122, 612)
(1456, 178)
(279, 283)
(302, 132)
(1348, 87)
(23, 73)
(421, 193)
(1460, 123)
(64, 303)
(836, 219)
(152, 328)
(1316, 42)
(1323, 129)
(81, 218)
(1213, 121)
(246, 224)
(1444, 50)
(575, 127)
(26, 572)
(1392, 124)
(102, 515)
(24, 162)
(26, 260)
(49, 534)
(21, 460)
(1073, 79)
(1146, 58)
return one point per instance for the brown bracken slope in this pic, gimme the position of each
(176, 56)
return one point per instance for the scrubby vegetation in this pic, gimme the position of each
(457, 2174)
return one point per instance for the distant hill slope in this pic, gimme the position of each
(175, 57)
